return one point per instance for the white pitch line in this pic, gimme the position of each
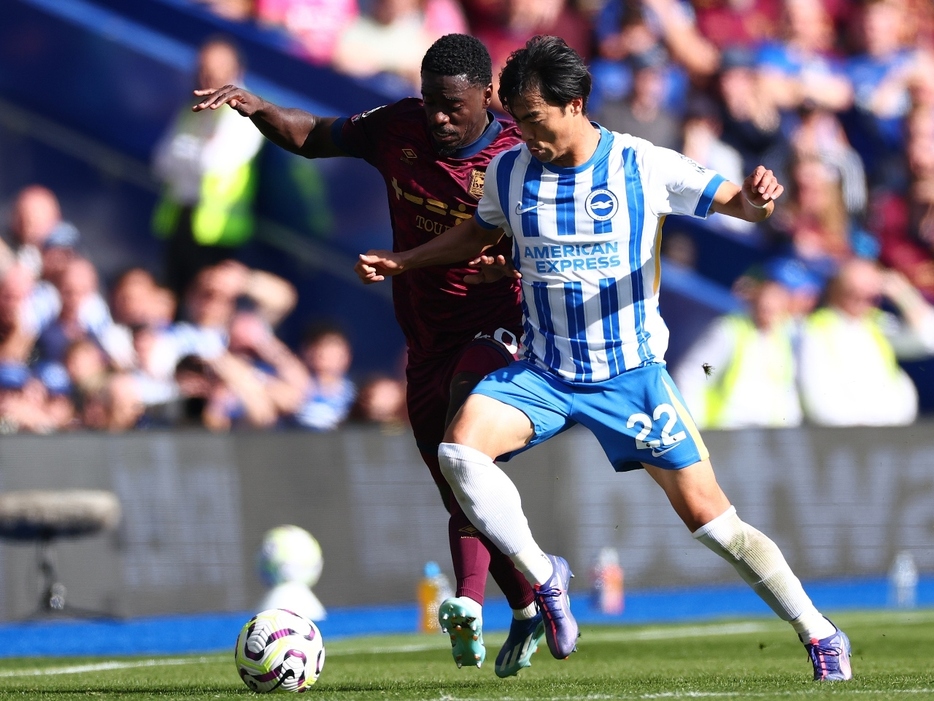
(99, 667)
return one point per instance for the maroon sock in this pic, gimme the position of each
(474, 555)
(470, 555)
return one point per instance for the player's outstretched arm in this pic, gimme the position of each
(754, 201)
(466, 241)
(290, 128)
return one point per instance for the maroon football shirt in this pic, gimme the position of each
(428, 194)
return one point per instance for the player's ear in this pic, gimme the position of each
(488, 95)
(576, 106)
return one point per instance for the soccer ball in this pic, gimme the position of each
(278, 650)
(289, 554)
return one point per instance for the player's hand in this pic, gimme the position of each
(761, 187)
(245, 102)
(376, 266)
(491, 269)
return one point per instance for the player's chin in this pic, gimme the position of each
(446, 144)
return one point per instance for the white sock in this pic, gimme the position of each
(761, 565)
(526, 613)
(487, 496)
(812, 626)
(534, 564)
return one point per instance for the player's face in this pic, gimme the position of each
(455, 108)
(549, 131)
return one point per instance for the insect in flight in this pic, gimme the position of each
(708, 369)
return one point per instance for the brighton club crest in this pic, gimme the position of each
(601, 205)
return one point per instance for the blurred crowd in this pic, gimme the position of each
(836, 96)
(75, 353)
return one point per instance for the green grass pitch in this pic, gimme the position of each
(893, 658)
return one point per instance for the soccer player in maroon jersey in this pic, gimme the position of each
(433, 154)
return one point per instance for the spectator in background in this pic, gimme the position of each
(16, 335)
(643, 112)
(137, 300)
(212, 301)
(144, 311)
(329, 393)
(804, 287)
(701, 131)
(741, 371)
(504, 25)
(848, 363)
(117, 407)
(88, 374)
(82, 314)
(881, 74)
(315, 25)
(819, 134)
(394, 37)
(739, 23)
(814, 226)
(206, 163)
(751, 120)
(284, 375)
(801, 67)
(36, 220)
(22, 401)
(628, 32)
(904, 222)
(59, 408)
(381, 401)
(224, 392)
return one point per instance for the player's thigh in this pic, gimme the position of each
(490, 426)
(639, 417)
(427, 399)
(693, 492)
(512, 408)
(481, 356)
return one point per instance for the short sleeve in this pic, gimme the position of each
(490, 213)
(678, 184)
(359, 135)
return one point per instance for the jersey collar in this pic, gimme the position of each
(603, 147)
(488, 136)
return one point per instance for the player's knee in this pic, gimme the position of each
(447, 458)
(726, 535)
(735, 540)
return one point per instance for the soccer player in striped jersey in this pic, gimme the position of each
(584, 208)
(433, 154)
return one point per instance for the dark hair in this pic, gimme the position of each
(546, 65)
(460, 54)
(318, 330)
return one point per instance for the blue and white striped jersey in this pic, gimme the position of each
(586, 240)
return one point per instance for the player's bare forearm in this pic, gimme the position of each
(463, 242)
(297, 131)
(290, 128)
(754, 201)
(466, 241)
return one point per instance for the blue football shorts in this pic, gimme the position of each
(638, 416)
